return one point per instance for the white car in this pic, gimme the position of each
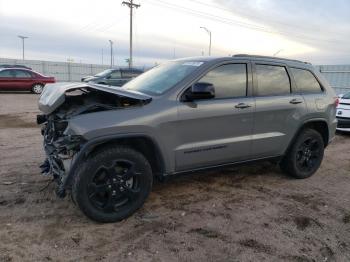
(343, 113)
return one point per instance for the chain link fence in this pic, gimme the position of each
(62, 71)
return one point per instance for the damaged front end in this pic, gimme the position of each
(62, 102)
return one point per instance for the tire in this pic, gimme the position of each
(305, 156)
(112, 184)
(37, 89)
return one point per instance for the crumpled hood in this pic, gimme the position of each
(53, 95)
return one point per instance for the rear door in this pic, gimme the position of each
(7, 79)
(279, 109)
(24, 79)
(218, 130)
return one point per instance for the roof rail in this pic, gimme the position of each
(270, 57)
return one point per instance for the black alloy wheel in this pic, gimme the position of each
(305, 155)
(308, 154)
(112, 183)
(115, 186)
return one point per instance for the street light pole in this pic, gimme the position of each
(111, 43)
(22, 37)
(209, 33)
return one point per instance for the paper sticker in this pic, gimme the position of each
(192, 63)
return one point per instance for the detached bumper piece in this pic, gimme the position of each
(343, 122)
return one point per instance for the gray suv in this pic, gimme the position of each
(105, 145)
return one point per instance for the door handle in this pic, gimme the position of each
(295, 101)
(242, 105)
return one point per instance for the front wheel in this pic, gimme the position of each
(112, 184)
(305, 156)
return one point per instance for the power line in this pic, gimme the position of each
(238, 23)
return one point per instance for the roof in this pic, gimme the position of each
(243, 56)
(13, 66)
(269, 58)
(16, 68)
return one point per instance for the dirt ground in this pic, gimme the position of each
(246, 213)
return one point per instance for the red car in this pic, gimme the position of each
(23, 79)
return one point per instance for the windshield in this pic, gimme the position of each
(163, 77)
(104, 73)
(346, 96)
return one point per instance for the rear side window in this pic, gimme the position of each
(115, 74)
(272, 80)
(228, 80)
(306, 81)
(130, 74)
(22, 74)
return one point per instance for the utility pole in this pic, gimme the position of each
(22, 37)
(209, 33)
(111, 43)
(131, 5)
(102, 55)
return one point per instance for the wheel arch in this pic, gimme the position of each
(140, 142)
(320, 125)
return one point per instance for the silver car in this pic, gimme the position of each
(106, 144)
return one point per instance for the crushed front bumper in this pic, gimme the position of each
(60, 150)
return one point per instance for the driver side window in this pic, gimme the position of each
(229, 80)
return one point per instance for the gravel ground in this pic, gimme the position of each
(246, 213)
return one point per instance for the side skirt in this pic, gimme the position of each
(276, 159)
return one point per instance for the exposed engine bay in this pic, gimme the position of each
(60, 144)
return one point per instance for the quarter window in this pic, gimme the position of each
(305, 81)
(228, 80)
(272, 80)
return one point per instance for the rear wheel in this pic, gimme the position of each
(37, 88)
(305, 155)
(112, 184)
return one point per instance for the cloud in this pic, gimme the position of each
(50, 40)
(322, 24)
(316, 31)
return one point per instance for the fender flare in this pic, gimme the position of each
(91, 144)
(301, 127)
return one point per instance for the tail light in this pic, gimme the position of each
(336, 101)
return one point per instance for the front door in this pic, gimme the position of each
(218, 130)
(7, 80)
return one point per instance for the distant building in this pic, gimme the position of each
(338, 76)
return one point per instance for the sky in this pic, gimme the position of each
(317, 31)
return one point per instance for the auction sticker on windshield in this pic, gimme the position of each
(193, 63)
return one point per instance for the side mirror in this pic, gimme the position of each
(108, 77)
(201, 90)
